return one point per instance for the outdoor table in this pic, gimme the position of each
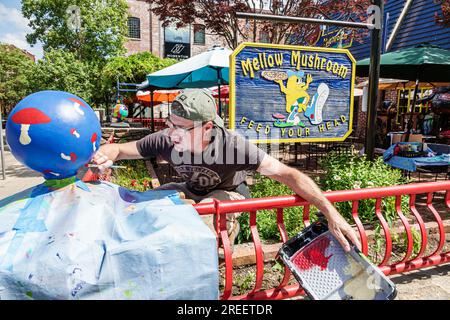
(413, 164)
(424, 137)
(428, 138)
(392, 134)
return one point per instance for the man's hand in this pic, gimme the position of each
(106, 155)
(184, 199)
(341, 229)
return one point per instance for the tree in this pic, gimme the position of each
(443, 18)
(219, 16)
(134, 68)
(15, 66)
(103, 26)
(61, 70)
(131, 69)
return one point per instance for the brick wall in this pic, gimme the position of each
(157, 34)
(360, 128)
(210, 41)
(152, 33)
(139, 9)
(362, 123)
(391, 95)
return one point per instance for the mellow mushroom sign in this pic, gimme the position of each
(281, 93)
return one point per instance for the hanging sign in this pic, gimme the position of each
(283, 94)
(177, 42)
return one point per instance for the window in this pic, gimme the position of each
(264, 37)
(134, 28)
(199, 34)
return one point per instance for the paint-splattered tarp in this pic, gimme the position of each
(101, 241)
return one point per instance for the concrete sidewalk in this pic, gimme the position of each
(18, 177)
(426, 284)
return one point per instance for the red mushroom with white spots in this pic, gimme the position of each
(47, 171)
(74, 132)
(93, 139)
(27, 117)
(77, 105)
(71, 157)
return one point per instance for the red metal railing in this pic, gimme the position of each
(283, 290)
(159, 124)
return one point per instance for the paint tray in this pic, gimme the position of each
(326, 272)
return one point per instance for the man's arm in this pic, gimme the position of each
(128, 151)
(108, 153)
(306, 188)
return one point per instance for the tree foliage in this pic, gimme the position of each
(15, 67)
(219, 16)
(444, 17)
(61, 70)
(133, 68)
(102, 33)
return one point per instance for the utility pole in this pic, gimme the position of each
(374, 75)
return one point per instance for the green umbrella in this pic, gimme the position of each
(425, 62)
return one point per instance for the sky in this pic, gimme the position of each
(14, 27)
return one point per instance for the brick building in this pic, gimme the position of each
(145, 33)
(11, 47)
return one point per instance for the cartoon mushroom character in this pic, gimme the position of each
(27, 117)
(93, 139)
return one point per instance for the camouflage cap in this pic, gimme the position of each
(196, 105)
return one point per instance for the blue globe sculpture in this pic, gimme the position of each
(53, 132)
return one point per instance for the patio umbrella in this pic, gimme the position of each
(154, 96)
(426, 63)
(207, 69)
(223, 93)
(159, 96)
(383, 83)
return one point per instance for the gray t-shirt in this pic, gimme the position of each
(222, 164)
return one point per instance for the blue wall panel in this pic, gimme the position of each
(419, 26)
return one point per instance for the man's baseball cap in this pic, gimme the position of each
(196, 105)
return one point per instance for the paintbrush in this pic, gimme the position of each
(112, 167)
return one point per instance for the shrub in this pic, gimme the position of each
(267, 219)
(134, 177)
(349, 172)
(342, 172)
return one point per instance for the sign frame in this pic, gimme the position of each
(232, 93)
